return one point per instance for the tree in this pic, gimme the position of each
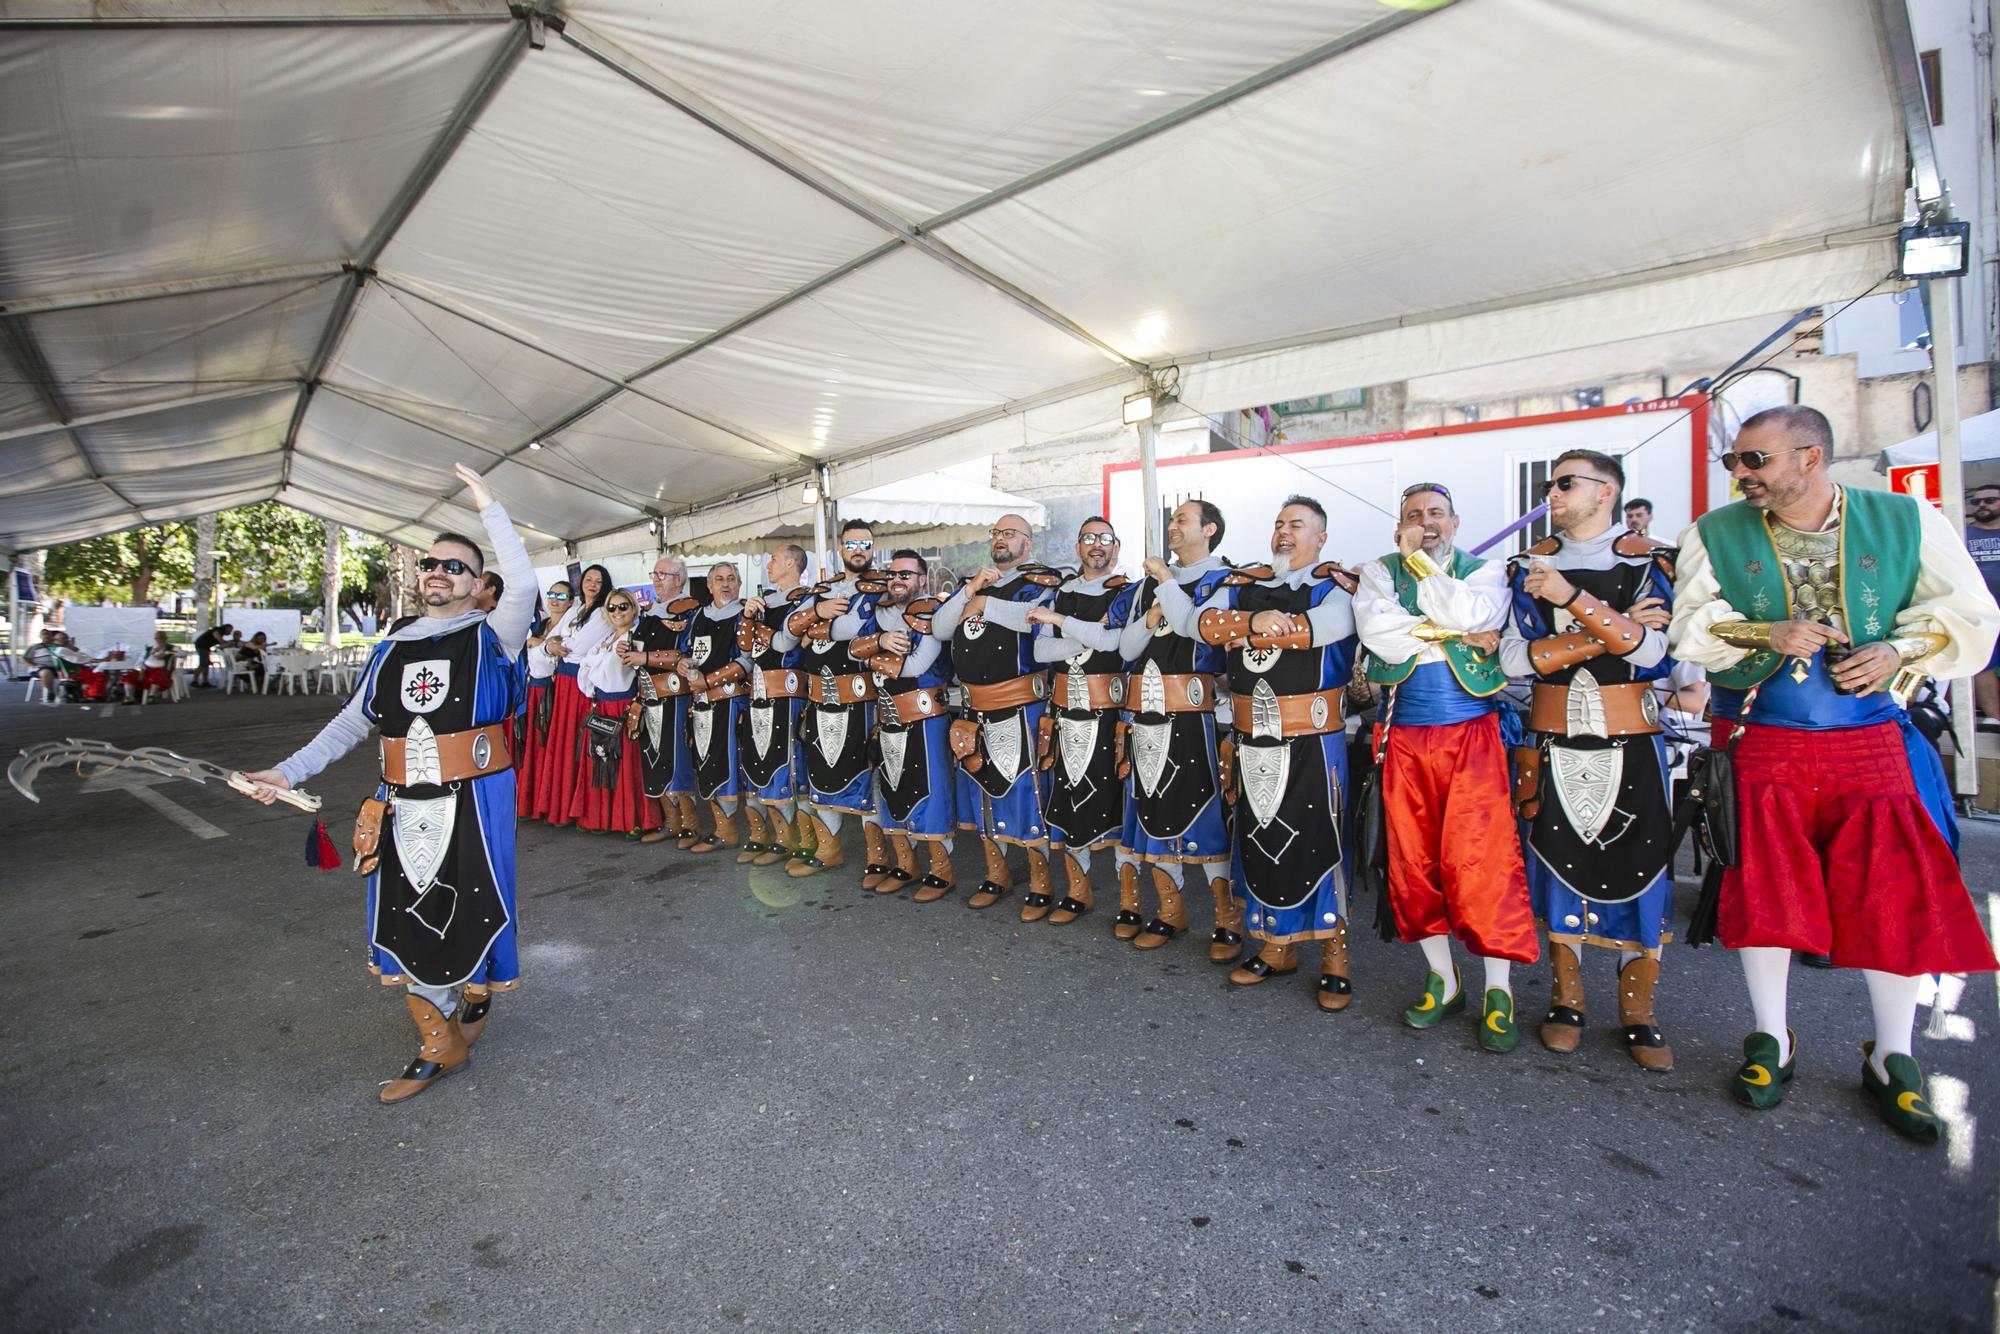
(124, 564)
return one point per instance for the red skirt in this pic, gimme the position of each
(1840, 858)
(1454, 850)
(561, 768)
(623, 808)
(156, 678)
(529, 751)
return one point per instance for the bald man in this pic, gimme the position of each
(668, 767)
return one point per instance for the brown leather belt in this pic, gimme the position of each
(461, 755)
(1629, 710)
(780, 683)
(727, 690)
(1185, 694)
(668, 684)
(849, 689)
(1006, 694)
(1100, 691)
(913, 706)
(1298, 715)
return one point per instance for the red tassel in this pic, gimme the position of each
(321, 854)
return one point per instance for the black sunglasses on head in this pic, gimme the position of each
(431, 564)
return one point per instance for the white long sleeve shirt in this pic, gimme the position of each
(1477, 602)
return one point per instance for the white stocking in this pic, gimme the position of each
(1498, 971)
(1894, 998)
(1081, 856)
(446, 998)
(1171, 870)
(831, 819)
(1437, 953)
(1768, 970)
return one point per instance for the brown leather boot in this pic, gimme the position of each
(1127, 923)
(470, 1020)
(756, 833)
(1172, 918)
(670, 823)
(726, 834)
(688, 825)
(1274, 959)
(1036, 903)
(999, 881)
(806, 838)
(1336, 991)
(826, 844)
(904, 872)
(1075, 901)
(1643, 1038)
(1562, 1027)
(938, 880)
(779, 847)
(875, 869)
(1226, 945)
(442, 1053)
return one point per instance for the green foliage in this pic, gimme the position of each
(265, 551)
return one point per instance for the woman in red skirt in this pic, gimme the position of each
(580, 630)
(531, 747)
(611, 795)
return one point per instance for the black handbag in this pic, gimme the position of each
(1707, 804)
(604, 740)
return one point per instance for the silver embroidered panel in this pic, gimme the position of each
(423, 834)
(420, 755)
(1264, 770)
(1152, 690)
(1266, 719)
(1149, 753)
(702, 721)
(760, 729)
(1585, 715)
(894, 748)
(1078, 738)
(1003, 745)
(830, 734)
(1587, 783)
(656, 726)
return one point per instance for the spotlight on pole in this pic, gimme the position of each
(809, 496)
(1935, 250)
(1139, 407)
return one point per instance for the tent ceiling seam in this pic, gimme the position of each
(826, 184)
(29, 357)
(220, 282)
(252, 390)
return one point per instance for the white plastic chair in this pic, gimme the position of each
(238, 670)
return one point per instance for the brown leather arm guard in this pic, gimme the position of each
(1300, 638)
(660, 659)
(1560, 651)
(753, 636)
(1527, 781)
(886, 665)
(1619, 633)
(918, 615)
(802, 620)
(867, 646)
(1225, 769)
(1222, 628)
(964, 739)
(723, 676)
(368, 835)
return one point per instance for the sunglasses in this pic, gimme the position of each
(1097, 539)
(1438, 487)
(1569, 483)
(619, 606)
(906, 574)
(1755, 459)
(558, 597)
(431, 564)
(857, 544)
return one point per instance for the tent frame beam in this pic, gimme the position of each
(824, 183)
(443, 18)
(14, 336)
(1899, 53)
(413, 190)
(148, 409)
(220, 282)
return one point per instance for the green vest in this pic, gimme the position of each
(1879, 539)
(1479, 673)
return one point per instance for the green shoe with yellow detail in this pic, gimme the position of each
(1900, 1098)
(1432, 1008)
(1496, 1026)
(1760, 1081)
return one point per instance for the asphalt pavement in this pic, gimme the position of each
(724, 1099)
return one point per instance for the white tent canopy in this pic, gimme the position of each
(661, 259)
(1978, 441)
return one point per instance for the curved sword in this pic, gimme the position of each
(94, 759)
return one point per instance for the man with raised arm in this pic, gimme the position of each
(437, 838)
(1175, 815)
(985, 625)
(1590, 605)
(1815, 608)
(1288, 628)
(1430, 617)
(1083, 731)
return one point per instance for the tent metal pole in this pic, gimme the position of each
(1940, 297)
(306, 274)
(163, 22)
(1149, 451)
(822, 523)
(147, 410)
(330, 585)
(16, 339)
(1899, 52)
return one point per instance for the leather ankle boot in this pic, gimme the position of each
(756, 833)
(725, 835)
(1562, 1027)
(1271, 961)
(1643, 1038)
(904, 871)
(999, 881)
(875, 867)
(689, 827)
(1038, 900)
(1127, 923)
(1226, 945)
(938, 880)
(1171, 920)
(1336, 991)
(1075, 901)
(442, 1052)
(470, 1021)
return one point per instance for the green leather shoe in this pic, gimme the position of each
(1496, 1028)
(1431, 1008)
(1760, 1081)
(1901, 1099)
